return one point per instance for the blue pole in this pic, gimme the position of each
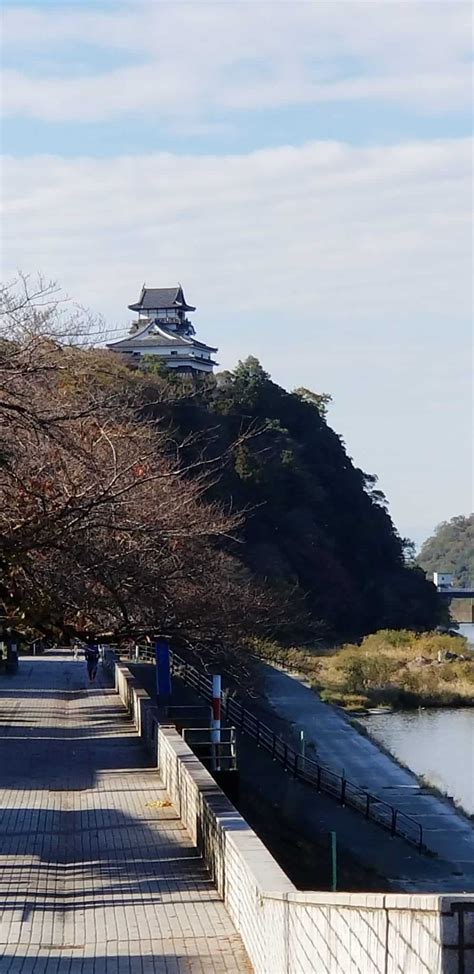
(163, 670)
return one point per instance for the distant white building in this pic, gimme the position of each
(443, 579)
(164, 330)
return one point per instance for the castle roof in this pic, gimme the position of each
(153, 298)
(159, 336)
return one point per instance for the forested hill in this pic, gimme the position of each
(136, 501)
(317, 527)
(122, 495)
(451, 549)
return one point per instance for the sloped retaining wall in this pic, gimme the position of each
(285, 931)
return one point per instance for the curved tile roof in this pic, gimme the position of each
(159, 337)
(161, 297)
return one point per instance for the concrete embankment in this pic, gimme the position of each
(283, 929)
(333, 741)
(278, 805)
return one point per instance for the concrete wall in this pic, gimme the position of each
(285, 931)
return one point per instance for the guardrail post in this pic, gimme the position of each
(393, 828)
(343, 791)
(303, 748)
(333, 861)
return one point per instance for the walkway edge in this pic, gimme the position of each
(283, 930)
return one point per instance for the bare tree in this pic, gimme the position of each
(103, 527)
(32, 306)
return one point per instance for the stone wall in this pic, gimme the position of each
(285, 931)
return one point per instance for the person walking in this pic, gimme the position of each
(91, 654)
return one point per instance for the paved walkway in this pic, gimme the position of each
(95, 876)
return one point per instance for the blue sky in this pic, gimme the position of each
(302, 168)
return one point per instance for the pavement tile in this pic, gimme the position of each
(92, 879)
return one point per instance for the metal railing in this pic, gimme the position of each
(220, 755)
(463, 948)
(346, 792)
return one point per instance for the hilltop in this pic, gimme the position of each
(316, 529)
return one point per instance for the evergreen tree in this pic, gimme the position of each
(315, 522)
(451, 549)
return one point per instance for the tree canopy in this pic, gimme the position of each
(315, 523)
(451, 549)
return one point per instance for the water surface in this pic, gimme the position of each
(467, 629)
(437, 743)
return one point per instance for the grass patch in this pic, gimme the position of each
(391, 668)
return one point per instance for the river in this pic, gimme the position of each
(467, 629)
(436, 743)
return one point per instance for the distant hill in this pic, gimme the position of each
(451, 549)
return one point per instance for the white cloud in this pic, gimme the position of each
(344, 269)
(191, 59)
(350, 232)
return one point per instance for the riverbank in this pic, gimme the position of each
(393, 669)
(333, 741)
(295, 820)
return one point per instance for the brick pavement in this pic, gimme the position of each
(93, 878)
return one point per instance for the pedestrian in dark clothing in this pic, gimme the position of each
(91, 654)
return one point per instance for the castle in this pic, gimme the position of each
(164, 330)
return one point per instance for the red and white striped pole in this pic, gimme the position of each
(216, 721)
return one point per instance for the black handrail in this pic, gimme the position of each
(375, 809)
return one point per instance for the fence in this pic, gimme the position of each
(325, 780)
(220, 755)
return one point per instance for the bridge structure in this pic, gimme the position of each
(451, 594)
(120, 854)
(445, 587)
(455, 593)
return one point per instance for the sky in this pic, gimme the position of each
(302, 168)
